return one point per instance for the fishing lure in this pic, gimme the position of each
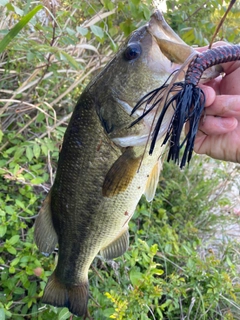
(188, 101)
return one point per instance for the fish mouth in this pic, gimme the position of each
(159, 28)
(168, 100)
(170, 44)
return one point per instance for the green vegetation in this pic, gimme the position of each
(176, 267)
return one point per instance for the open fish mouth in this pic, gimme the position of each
(187, 101)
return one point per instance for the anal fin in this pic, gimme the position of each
(121, 173)
(44, 233)
(117, 247)
(152, 181)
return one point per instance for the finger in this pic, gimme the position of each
(224, 147)
(225, 106)
(214, 84)
(211, 125)
(230, 83)
(210, 94)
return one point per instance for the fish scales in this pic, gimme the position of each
(103, 166)
(65, 200)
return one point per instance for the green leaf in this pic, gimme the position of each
(12, 250)
(1, 135)
(64, 314)
(70, 31)
(37, 180)
(136, 277)
(44, 149)
(9, 209)
(97, 31)
(19, 152)
(83, 31)
(18, 27)
(18, 10)
(156, 271)
(20, 204)
(36, 150)
(12, 269)
(18, 290)
(108, 312)
(29, 153)
(135, 2)
(14, 239)
(3, 230)
(10, 150)
(4, 274)
(69, 59)
(15, 262)
(2, 314)
(147, 13)
(3, 3)
(32, 289)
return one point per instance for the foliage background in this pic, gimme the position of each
(183, 263)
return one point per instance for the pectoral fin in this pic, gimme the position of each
(117, 247)
(44, 233)
(175, 52)
(121, 173)
(152, 181)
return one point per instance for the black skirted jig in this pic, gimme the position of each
(188, 101)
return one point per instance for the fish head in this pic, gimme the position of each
(144, 62)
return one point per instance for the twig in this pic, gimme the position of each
(64, 119)
(196, 11)
(95, 270)
(221, 22)
(22, 129)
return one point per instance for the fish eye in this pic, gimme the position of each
(133, 51)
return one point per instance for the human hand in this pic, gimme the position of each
(219, 129)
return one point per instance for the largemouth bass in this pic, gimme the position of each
(103, 166)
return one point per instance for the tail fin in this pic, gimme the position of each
(74, 297)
